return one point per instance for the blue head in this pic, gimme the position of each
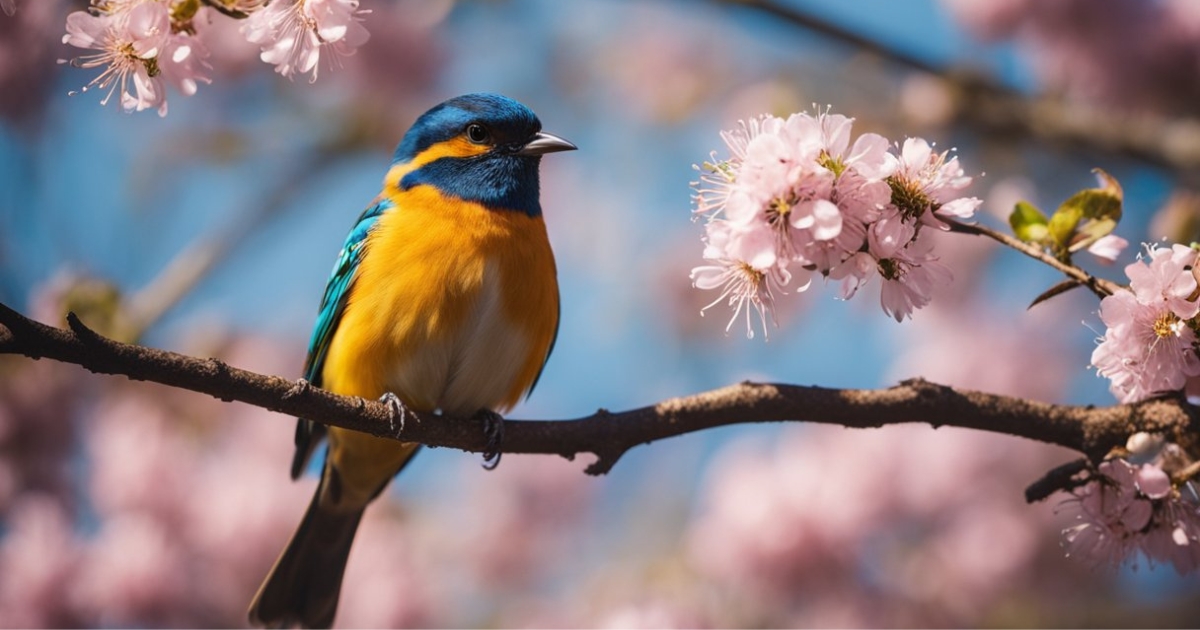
(483, 148)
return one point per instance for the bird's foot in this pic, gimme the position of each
(398, 412)
(299, 388)
(493, 428)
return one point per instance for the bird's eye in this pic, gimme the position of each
(477, 133)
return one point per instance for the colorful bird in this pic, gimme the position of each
(443, 298)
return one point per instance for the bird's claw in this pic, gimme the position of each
(493, 428)
(397, 412)
(300, 387)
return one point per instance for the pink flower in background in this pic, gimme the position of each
(1068, 44)
(291, 33)
(786, 530)
(134, 570)
(1149, 346)
(9, 7)
(38, 556)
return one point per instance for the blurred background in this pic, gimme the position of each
(212, 231)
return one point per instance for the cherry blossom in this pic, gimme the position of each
(1128, 508)
(803, 196)
(141, 42)
(128, 44)
(1149, 346)
(291, 33)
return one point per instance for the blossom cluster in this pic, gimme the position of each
(1134, 504)
(797, 198)
(1149, 346)
(142, 45)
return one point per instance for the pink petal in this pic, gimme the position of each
(1108, 247)
(1153, 482)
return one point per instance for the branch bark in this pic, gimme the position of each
(1093, 431)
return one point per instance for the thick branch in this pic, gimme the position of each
(1092, 431)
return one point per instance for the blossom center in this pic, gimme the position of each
(909, 197)
(1168, 325)
(751, 276)
(890, 269)
(778, 209)
(831, 163)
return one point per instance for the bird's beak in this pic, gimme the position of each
(543, 143)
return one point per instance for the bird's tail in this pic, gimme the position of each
(303, 586)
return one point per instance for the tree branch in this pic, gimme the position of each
(1101, 287)
(1089, 430)
(224, 9)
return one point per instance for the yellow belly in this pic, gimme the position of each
(453, 308)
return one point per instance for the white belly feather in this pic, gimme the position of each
(474, 368)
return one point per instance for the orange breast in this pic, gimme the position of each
(454, 307)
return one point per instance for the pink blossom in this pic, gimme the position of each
(1167, 278)
(183, 62)
(291, 33)
(1111, 513)
(1145, 351)
(803, 196)
(744, 286)
(909, 278)
(9, 7)
(1127, 508)
(1176, 538)
(1149, 347)
(926, 184)
(128, 43)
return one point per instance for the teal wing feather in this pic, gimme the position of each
(333, 304)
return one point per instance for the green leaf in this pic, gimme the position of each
(1099, 210)
(1062, 226)
(1028, 223)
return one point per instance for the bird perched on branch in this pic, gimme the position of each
(443, 298)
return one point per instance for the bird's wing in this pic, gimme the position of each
(333, 304)
(549, 351)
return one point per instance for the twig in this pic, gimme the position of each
(1091, 431)
(1058, 478)
(226, 10)
(1101, 287)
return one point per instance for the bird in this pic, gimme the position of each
(444, 298)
